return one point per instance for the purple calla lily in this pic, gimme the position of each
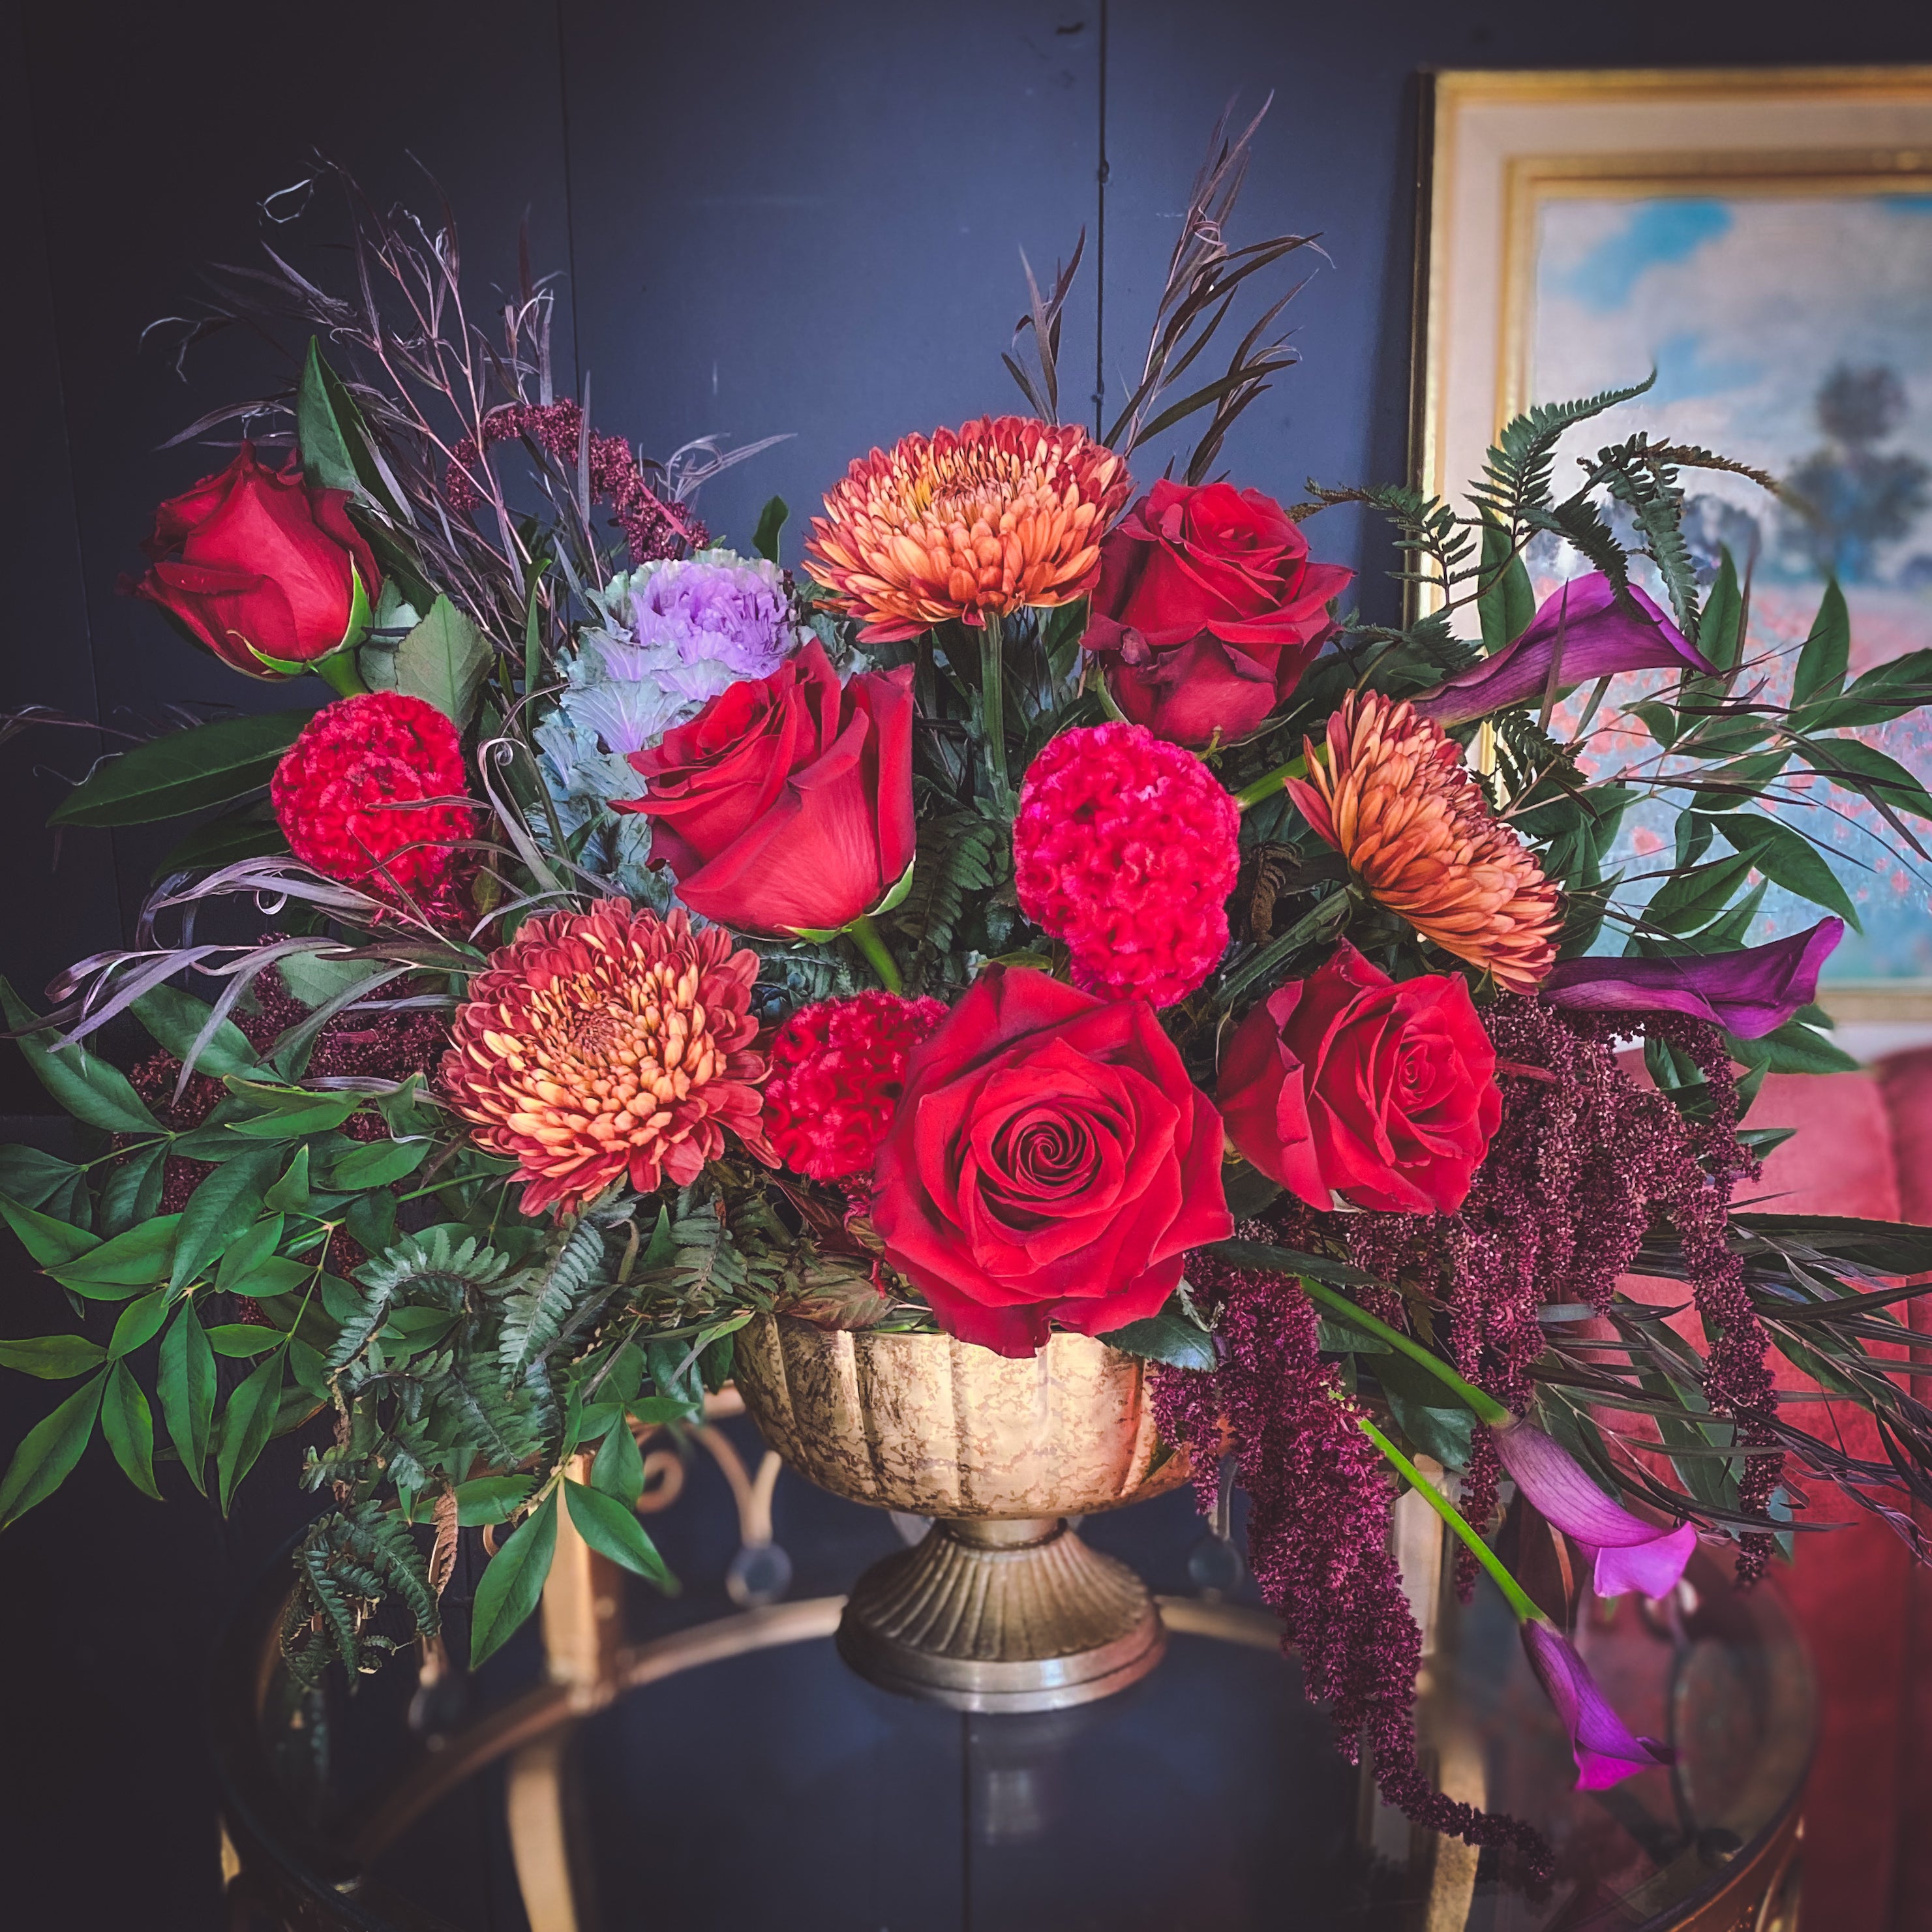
(1605, 1751)
(1751, 992)
(1629, 1554)
(1600, 636)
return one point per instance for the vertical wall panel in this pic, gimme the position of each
(808, 220)
(156, 140)
(48, 915)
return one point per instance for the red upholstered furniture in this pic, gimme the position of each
(1865, 1147)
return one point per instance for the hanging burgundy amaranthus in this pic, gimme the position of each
(1319, 1496)
(652, 527)
(1582, 1161)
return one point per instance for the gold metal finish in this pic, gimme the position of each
(1001, 1607)
(1002, 1615)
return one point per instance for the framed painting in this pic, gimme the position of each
(1762, 240)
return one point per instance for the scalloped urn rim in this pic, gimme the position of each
(934, 1426)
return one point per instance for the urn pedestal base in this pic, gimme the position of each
(1011, 1615)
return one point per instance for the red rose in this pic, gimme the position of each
(786, 804)
(263, 569)
(1050, 1161)
(1350, 1083)
(1208, 610)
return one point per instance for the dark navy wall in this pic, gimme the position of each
(770, 217)
(780, 215)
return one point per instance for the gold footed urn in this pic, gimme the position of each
(1002, 1606)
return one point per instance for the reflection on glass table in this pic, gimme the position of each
(692, 1764)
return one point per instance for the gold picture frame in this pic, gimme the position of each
(1495, 148)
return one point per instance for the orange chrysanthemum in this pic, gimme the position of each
(1395, 800)
(1006, 512)
(600, 1043)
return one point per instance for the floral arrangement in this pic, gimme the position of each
(1043, 905)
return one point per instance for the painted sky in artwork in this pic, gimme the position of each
(1794, 333)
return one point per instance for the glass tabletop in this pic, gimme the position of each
(696, 1765)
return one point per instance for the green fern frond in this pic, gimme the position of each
(1516, 472)
(572, 1278)
(346, 1565)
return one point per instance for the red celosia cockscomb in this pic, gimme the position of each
(966, 524)
(1394, 799)
(610, 1043)
(363, 795)
(838, 1069)
(1126, 847)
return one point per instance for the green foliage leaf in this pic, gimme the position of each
(612, 1529)
(247, 1252)
(246, 1424)
(313, 1114)
(37, 1180)
(54, 1358)
(771, 522)
(491, 1499)
(444, 660)
(315, 979)
(50, 1451)
(1886, 691)
(48, 1241)
(248, 831)
(139, 1259)
(1789, 859)
(377, 1163)
(243, 1340)
(88, 1087)
(128, 1424)
(1795, 1047)
(1506, 607)
(132, 1191)
(1169, 1336)
(290, 1194)
(1689, 900)
(186, 1387)
(1720, 637)
(207, 764)
(513, 1584)
(322, 407)
(225, 1205)
(618, 1468)
(1827, 652)
(176, 1018)
(1425, 1412)
(138, 1323)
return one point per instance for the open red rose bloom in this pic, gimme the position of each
(1050, 1161)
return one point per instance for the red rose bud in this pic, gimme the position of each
(1350, 1083)
(1208, 610)
(786, 804)
(1050, 1161)
(261, 568)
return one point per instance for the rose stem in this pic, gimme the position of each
(1489, 1411)
(1513, 1591)
(993, 700)
(865, 937)
(1269, 783)
(339, 673)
